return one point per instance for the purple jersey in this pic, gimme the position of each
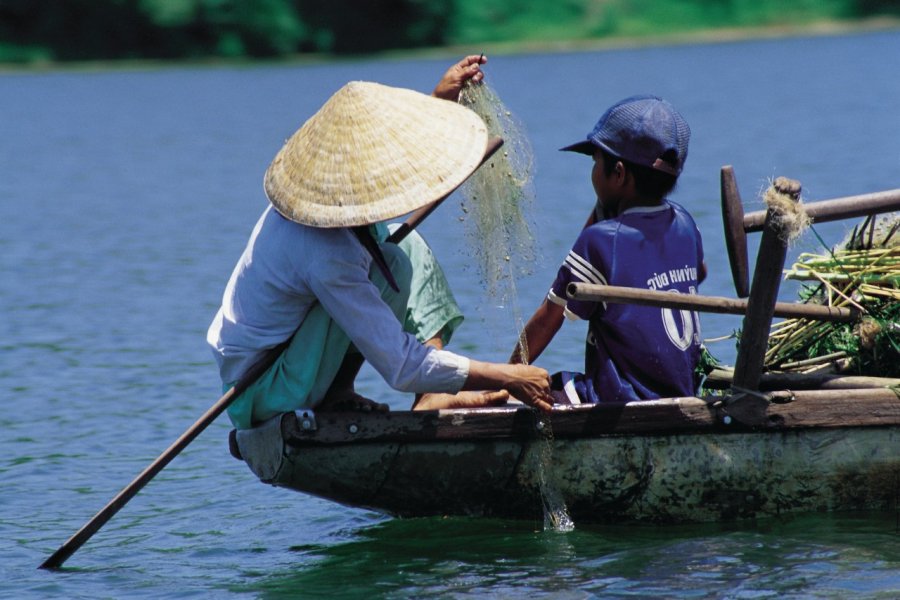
(636, 352)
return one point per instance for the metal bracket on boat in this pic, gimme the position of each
(743, 407)
(781, 397)
(306, 420)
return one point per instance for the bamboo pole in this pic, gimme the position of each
(710, 304)
(836, 209)
(763, 295)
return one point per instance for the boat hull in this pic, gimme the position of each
(626, 463)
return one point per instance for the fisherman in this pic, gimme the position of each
(316, 260)
(635, 237)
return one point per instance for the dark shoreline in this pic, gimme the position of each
(523, 47)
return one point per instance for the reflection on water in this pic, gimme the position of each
(809, 556)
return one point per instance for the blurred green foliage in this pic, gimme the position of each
(66, 30)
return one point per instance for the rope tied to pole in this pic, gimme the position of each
(783, 199)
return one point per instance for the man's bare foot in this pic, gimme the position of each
(461, 400)
(350, 401)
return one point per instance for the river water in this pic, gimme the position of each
(125, 198)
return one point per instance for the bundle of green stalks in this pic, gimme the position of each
(863, 272)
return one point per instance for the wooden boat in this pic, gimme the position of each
(669, 460)
(753, 453)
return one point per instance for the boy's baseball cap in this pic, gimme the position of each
(644, 130)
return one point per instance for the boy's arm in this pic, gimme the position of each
(544, 323)
(538, 332)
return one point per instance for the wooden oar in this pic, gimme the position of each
(712, 304)
(128, 492)
(121, 499)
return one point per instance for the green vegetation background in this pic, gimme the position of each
(77, 30)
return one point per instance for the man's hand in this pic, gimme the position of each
(456, 76)
(531, 385)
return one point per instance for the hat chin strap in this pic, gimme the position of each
(368, 242)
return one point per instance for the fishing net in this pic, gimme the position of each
(863, 271)
(496, 202)
(497, 199)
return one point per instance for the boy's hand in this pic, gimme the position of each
(531, 385)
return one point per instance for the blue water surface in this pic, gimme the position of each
(126, 196)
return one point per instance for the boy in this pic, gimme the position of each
(635, 238)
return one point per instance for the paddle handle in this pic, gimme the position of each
(695, 302)
(735, 235)
(419, 215)
(107, 512)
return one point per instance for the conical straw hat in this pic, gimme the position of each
(371, 153)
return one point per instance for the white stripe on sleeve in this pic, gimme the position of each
(584, 269)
